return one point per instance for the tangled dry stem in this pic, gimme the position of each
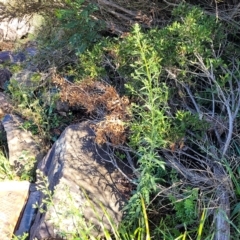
(120, 15)
(206, 168)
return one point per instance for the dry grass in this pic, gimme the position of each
(103, 102)
(7, 46)
(120, 15)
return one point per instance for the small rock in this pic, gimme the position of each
(29, 80)
(5, 56)
(17, 57)
(5, 76)
(5, 106)
(62, 107)
(21, 144)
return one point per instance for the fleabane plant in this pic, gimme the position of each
(150, 125)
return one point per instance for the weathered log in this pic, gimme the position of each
(222, 215)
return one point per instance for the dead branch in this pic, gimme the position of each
(116, 6)
(190, 175)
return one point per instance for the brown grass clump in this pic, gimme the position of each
(6, 46)
(103, 101)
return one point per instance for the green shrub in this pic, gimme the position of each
(6, 170)
(161, 68)
(154, 128)
(81, 29)
(186, 207)
(69, 31)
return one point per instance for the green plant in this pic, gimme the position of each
(38, 109)
(201, 224)
(21, 172)
(25, 236)
(27, 170)
(81, 28)
(6, 170)
(27, 104)
(91, 62)
(150, 128)
(70, 31)
(186, 207)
